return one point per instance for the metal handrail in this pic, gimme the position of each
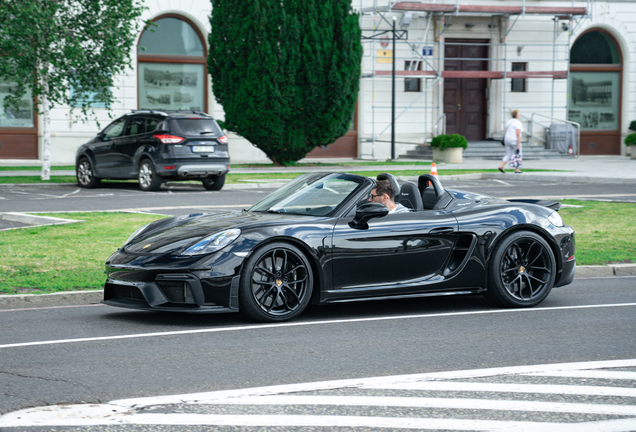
(575, 124)
(442, 117)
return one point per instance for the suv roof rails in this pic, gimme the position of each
(168, 112)
(189, 112)
(147, 111)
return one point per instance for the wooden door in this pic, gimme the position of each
(345, 147)
(465, 98)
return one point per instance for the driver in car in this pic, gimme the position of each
(384, 193)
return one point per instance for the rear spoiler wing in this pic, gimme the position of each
(554, 205)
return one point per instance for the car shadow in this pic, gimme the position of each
(340, 311)
(171, 186)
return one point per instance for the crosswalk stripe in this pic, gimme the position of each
(590, 374)
(367, 422)
(444, 403)
(506, 388)
(491, 410)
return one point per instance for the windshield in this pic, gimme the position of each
(319, 194)
(196, 126)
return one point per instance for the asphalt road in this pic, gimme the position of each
(183, 199)
(95, 354)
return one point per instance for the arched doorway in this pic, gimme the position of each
(171, 68)
(595, 90)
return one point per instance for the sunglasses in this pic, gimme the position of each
(375, 196)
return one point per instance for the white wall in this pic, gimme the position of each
(417, 123)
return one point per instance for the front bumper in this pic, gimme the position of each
(156, 282)
(173, 292)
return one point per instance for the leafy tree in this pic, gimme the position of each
(53, 46)
(287, 72)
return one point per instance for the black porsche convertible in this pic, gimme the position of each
(319, 240)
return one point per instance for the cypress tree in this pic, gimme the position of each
(286, 71)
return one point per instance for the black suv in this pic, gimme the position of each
(153, 147)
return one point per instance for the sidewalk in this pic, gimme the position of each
(584, 169)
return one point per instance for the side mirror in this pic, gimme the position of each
(367, 211)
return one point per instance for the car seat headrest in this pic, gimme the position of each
(410, 196)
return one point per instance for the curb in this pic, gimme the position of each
(83, 298)
(70, 298)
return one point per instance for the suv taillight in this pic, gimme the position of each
(223, 139)
(169, 139)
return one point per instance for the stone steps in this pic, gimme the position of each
(486, 149)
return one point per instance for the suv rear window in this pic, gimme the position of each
(189, 127)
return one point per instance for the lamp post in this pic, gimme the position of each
(393, 97)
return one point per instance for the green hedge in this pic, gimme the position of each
(630, 140)
(442, 142)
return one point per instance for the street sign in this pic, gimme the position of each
(427, 51)
(384, 56)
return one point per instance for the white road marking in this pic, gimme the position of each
(340, 421)
(413, 402)
(502, 182)
(307, 323)
(594, 375)
(127, 411)
(508, 388)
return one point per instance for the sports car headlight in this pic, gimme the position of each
(136, 233)
(555, 219)
(213, 242)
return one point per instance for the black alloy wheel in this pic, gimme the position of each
(276, 283)
(214, 183)
(85, 174)
(149, 180)
(522, 270)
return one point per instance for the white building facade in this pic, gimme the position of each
(459, 68)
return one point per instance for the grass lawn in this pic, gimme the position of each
(71, 257)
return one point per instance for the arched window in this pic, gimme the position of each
(595, 91)
(172, 66)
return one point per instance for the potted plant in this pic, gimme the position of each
(630, 141)
(448, 148)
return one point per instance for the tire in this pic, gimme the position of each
(214, 183)
(276, 283)
(149, 180)
(85, 174)
(522, 270)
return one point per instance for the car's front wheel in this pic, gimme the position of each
(149, 180)
(276, 283)
(214, 183)
(85, 174)
(522, 270)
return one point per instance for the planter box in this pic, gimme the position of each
(450, 155)
(633, 151)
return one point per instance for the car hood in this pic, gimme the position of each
(178, 233)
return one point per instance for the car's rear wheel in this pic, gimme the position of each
(522, 270)
(276, 283)
(85, 174)
(214, 183)
(149, 180)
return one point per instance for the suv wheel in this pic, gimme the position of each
(149, 180)
(214, 183)
(85, 174)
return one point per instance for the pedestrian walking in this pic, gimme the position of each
(512, 140)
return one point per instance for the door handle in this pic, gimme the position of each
(442, 230)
